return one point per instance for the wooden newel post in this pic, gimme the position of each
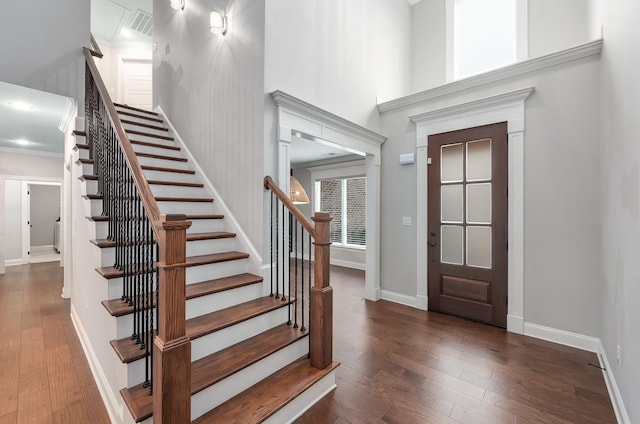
(321, 314)
(171, 347)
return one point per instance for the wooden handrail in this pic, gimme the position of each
(95, 48)
(148, 200)
(270, 185)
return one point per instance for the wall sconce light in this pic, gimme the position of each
(177, 4)
(296, 192)
(218, 23)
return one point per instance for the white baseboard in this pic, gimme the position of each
(515, 324)
(562, 337)
(402, 299)
(114, 409)
(422, 303)
(14, 262)
(612, 386)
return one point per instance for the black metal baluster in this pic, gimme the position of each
(286, 260)
(277, 254)
(302, 327)
(271, 243)
(295, 278)
(284, 249)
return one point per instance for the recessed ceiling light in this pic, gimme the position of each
(22, 142)
(125, 32)
(21, 106)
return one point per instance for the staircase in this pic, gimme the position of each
(248, 363)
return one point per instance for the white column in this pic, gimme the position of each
(422, 301)
(515, 314)
(372, 278)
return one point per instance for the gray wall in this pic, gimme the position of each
(41, 45)
(44, 210)
(428, 44)
(557, 25)
(562, 203)
(212, 89)
(619, 188)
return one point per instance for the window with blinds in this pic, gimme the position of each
(344, 199)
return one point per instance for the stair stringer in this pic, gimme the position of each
(232, 223)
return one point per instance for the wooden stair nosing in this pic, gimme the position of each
(135, 115)
(164, 169)
(84, 161)
(163, 157)
(118, 308)
(184, 199)
(151, 135)
(204, 216)
(88, 177)
(137, 109)
(262, 400)
(142, 124)
(211, 369)
(81, 146)
(128, 351)
(156, 145)
(175, 183)
(98, 218)
(110, 272)
(79, 133)
(215, 235)
(93, 196)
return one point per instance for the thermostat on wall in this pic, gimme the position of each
(406, 159)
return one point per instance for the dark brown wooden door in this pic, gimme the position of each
(468, 223)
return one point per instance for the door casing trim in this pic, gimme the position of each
(506, 107)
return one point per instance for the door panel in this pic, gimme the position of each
(468, 223)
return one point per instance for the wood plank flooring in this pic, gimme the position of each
(401, 365)
(44, 375)
(398, 364)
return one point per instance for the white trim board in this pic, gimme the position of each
(566, 338)
(519, 68)
(501, 107)
(114, 409)
(612, 387)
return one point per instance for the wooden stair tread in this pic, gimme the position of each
(184, 199)
(103, 243)
(88, 177)
(137, 109)
(82, 146)
(110, 272)
(262, 400)
(142, 124)
(93, 196)
(156, 145)
(146, 134)
(98, 218)
(164, 169)
(163, 157)
(79, 133)
(128, 351)
(216, 367)
(117, 308)
(85, 161)
(135, 115)
(204, 216)
(174, 183)
(213, 368)
(215, 235)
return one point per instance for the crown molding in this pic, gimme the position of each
(592, 48)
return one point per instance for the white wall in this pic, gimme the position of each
(620, 193)
(44, 210)
(340, 56)
(557, 25)
(41, 45)
(31, 166)
(212, 89)
(13, 220)
(562, 208)
(428, 44)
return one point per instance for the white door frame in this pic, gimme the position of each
(506, 107)
(296, 115)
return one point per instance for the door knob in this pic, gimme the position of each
(432, 243)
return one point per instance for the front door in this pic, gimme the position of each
(468, 223)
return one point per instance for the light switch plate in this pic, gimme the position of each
(406, 220)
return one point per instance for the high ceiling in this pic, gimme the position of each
(122, 21)
(309, 151)
(33, 120)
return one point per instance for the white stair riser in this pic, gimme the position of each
(294, 409)
(229, 336)
(141, 148)
(150, 139)
(83, 153)
(205, 226)
(94, 207)
(224, 390)
(90, 187)
(196, 208)
(144, 161)
(196, 274)
(87, 168)
(178, 191)
(102, 230)
(205, 247)
(217, 301)
(144, 129)
(141, 120)
(170, 176)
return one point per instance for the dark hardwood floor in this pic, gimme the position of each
(44, 375)
(401, 365)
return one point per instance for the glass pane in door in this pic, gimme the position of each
(452, 163)
(452, 244)
(479, 203)
(479, 160)
(479, 246)
(451, 203)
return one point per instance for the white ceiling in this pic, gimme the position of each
(306, 149)
(112, 20)
(34, 116)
